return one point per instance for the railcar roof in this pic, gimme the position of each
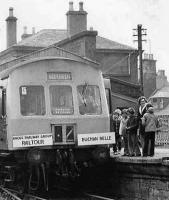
(49, 52)
(5, 73)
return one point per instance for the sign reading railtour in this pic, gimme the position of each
(96, 138)
(32, 140)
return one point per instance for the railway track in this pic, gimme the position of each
(9, 194)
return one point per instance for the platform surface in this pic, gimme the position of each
(161, 156)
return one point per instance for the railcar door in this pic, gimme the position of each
(3, 131)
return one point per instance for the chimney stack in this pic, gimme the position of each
(76, 20)
(11, 29)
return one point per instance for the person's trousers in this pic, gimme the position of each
(125, 142)
(133, 144)
(141, 136)
(149, 143)
(117, 145)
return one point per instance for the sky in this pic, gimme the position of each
(113, 19)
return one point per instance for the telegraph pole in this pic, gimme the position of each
(140, 32)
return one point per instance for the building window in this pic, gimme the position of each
(161, 104)
(154, 100)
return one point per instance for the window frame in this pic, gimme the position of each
(78, 105)
(44, 96)
(50, 102)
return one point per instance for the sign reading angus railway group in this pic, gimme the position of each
(96, 138)
(32, 140)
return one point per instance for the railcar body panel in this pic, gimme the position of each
(46, 78)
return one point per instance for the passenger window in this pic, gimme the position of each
(32, 100)
(61, 100)
(89, 100)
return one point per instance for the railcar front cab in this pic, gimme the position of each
(68, 105)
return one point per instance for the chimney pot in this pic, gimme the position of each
(33, 30)
(91, 28)
(71, 6)
(25, 29)
(81, 6)
(10, 12)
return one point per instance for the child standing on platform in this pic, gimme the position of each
(132, 126)
(122, 131)
(115, 127)
(150, 122)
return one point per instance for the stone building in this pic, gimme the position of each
(118, 61)
(149, 75)
(161, 80)
(160, 101)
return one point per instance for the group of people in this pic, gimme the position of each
(135, 129)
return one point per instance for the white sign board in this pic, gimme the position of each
(96, 138)
(32, 140)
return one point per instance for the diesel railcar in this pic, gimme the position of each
(54, 120)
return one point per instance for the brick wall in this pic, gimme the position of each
(83, 44)
(141, 181)
(119, 64)
(149, 76)
(125, 88)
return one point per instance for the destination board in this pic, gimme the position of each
(96, 138)
(32, 140)
(59, 76)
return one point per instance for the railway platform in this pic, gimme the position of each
(138, 178)
(161, 155)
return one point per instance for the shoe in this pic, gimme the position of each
(132, 155)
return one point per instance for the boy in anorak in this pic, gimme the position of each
(151, 123)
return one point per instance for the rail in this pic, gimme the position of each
(9, 194)
(97, 197)
(5, 194)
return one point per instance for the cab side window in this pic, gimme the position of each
(2, 102)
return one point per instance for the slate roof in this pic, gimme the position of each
(48, 37)
(163, 92)
(44, 38)
(103, 43)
